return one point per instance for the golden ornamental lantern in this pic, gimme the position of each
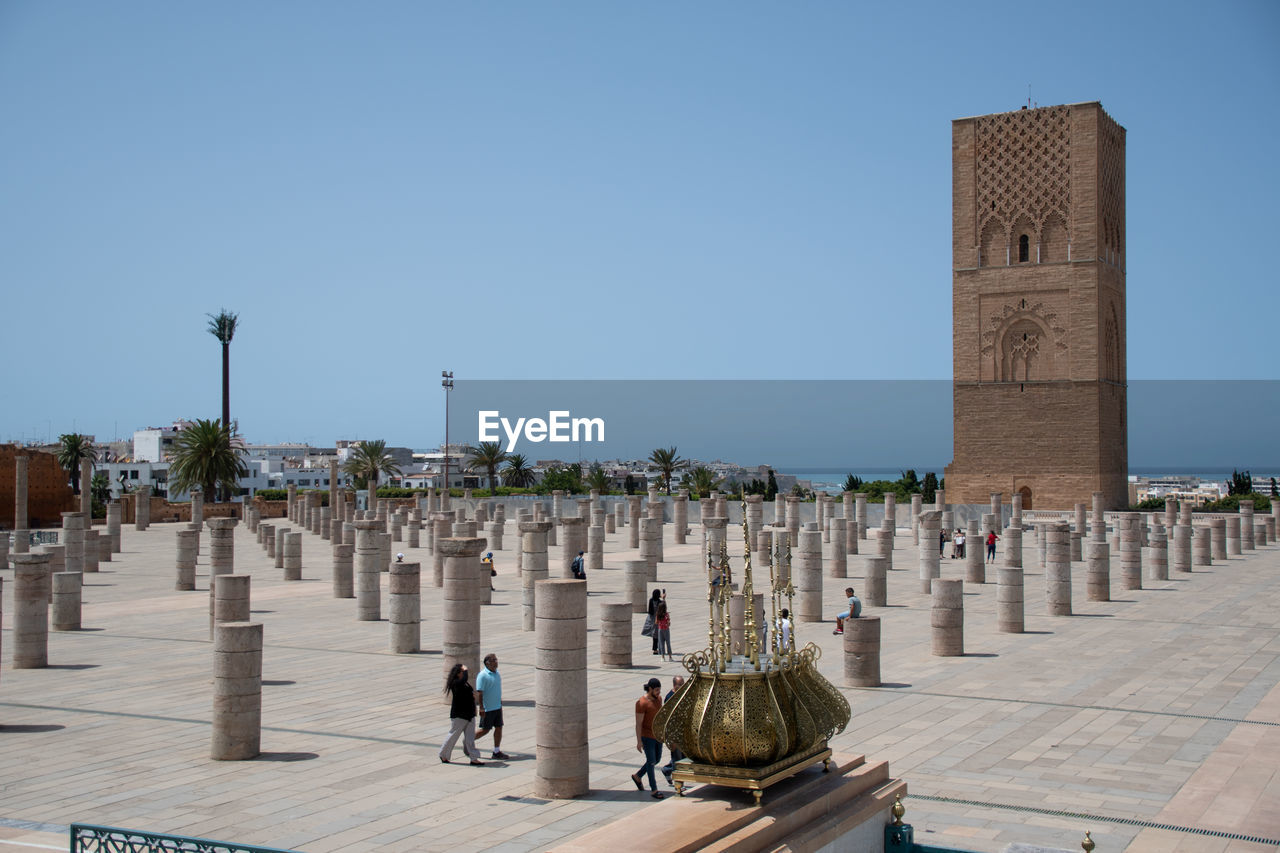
(753, 712)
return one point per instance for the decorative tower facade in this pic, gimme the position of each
(1038, 307)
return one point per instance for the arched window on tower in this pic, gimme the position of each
(1024, 249)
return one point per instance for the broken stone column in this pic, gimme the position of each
(441, 528)
(461, 615)
(838, 567)
(533, 543)
(807, 576)
(1180, 557)
(615, 634)
(1057, 574)
(231, 600)
(276, 549)
(1170, 512)
(1130, 553)
(573, 532)
(291, 499)
(1098, 522)
(343, 578)
(293, 556)
(397, 527)
(197, 507)
(875, 583)
(1098, 579)
(1233, 535)
(186, 560)
(222, 555)
(928, 549)
(32, 589)
(237, 691)
(1015, 518)
(635, 577)
(1202, 545)
(104, 546)
(1158, 556)
(650, 530)
(779, 511)
(890, 511)
(326, 522)
(73, 525)
(1009, 599)
(884, 544)
(633, 521)
(413, 532)
(657, 512)
(862, 652)
(1218, 538)
(406, 608)
(113, 525)
(1247, 540)
(142, 509)
(793, 517)
(494, 531)
(974, 553)
(66, 600)
(595, 548)
(715, 532)
(946, 617)
(680, 516)
(368, 565)
(560, 690)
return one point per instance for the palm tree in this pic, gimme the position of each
(72, 448)
(598, 479)
(223, 327)
(367, 462)
(518, 474)
(667, 461)
(701, 480)
(207, 454)
(487, 456)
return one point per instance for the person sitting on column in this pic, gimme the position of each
(854, 611)
(579, 567)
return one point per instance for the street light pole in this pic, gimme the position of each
(446, 382)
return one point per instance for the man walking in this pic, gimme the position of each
(676, 683)
(647, 707)
(489, 698)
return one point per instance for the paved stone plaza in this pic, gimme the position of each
(1160, 706)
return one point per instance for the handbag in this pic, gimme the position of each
(647, 630)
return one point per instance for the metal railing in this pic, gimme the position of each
(87, 838)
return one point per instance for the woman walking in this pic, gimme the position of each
(654, 601)
(662, 624)
(462, 716)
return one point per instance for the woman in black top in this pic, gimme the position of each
(654, 601)
(462, 716)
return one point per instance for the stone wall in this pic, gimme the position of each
(48, 488)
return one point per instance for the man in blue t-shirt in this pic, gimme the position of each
(854, 611)
(489, 700)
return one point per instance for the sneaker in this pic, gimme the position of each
(838, 631)
(498, 755)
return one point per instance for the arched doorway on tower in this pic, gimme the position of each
(1025, 492)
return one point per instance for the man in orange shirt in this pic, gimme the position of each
(647, 707)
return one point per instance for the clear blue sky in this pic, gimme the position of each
(576, 190)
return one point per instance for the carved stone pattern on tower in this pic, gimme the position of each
(1111, 189)
(1024, 167)
(1023, 342)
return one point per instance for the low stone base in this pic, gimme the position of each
(753, 779)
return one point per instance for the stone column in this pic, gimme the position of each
(222, 555)
(793, 517)
(326, 523)
(20, 520)
(1158, 556)
(974, 553)
(441, 528)
(875, 583)
(186, 560)
(368, 566)
(1130, 552)
(890, 512)
(573, 531)
(1247, 542)
(917, 505)
(860, 514)
(1170, 511)
(615, 634)
(1098, 523)
(884, 544)
(633, 521)
(197, 507)
(32, 589)
(276, 551)
(1009, 599)
(66, 600)
(680, 516)
(293, 556)
(755, 515)
(928, 549)
(839, 565)
(113, 525)
(635, 576)
(715, 530)
(862, 652)
(461, 615)
(946, 617)
(343, 579)
(1015, 517)
(656, 510)
(1181, 551)
(595, 548)
(808, 575)
(779, 510)
(73, 524)
(237, 691)
(611, 519)
(533, 543)
(650, 530)
(494, 535)
(406, 608)
(292, 502)
(397, 527)
(142, 509)
(997, 508)
(1234, 545)
(413, 532)
(1057, 575)
(231, 601)
(1202, 545)
(560, 690)
(1098, 579)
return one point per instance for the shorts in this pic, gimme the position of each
(843, 616)
(491, 719)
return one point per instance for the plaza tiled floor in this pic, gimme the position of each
(1152, 720)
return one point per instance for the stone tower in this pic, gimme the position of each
(1038, 307)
